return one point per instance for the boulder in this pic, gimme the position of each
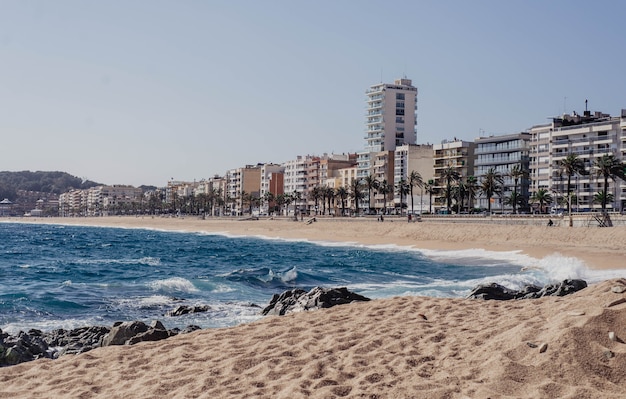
(184, 309)
(499, 292)
(122, 332)
(298, 300)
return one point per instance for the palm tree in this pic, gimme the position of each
(415, 179)
(356, 193)
(517, 173)
(296, 196)
(543, 198)
(342, 193)
(608, 167)
(449, 174)
(492, 184)
(316, 195)
(269, 198)
(372, 184)
(430, 190)
(384, 188)
(402, 188)
(330, 196)
(571, 165)
(471, 185)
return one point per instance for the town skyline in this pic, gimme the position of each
(144, 92)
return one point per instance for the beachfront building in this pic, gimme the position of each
(456, 155)
(589, 136)
(116, 199)
(272, 184)
(296, 177)
(504, 154)
(243, 188)
(410, 158)
(73, 203)
(390, 121)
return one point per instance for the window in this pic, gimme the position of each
(399, 119)
(399, 111)
(399, 96)
(399, 104)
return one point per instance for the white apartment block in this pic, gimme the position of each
(296, 174)
(590, 136)
(409, 158)
(501, 153)
(390, 120)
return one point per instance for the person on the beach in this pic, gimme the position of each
(550, 222)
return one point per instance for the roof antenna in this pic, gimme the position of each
(585, 105)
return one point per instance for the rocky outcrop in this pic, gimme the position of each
(498, 292)
(298, 300)
(35, 344)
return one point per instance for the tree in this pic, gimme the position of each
(449, 175)
(608, 167)
(343, 194)
(330, 196)
(472, 187)
(415, 179)
(385, 188)
(356, 193)
(517, 172)
(492, 184)
(372, 184)
(571, 165)
(543, 198)
(430, 190)
(269, 199)
(402, 188)
(297, 197)
(316, 195)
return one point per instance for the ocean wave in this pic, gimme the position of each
(174, 284)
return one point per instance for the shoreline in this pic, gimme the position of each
(599, 248)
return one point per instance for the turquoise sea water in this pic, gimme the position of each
(55, 276)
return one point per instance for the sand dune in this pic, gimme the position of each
(404, 347)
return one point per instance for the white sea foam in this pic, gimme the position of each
(174, 284)
(146, 302)
(289, 275)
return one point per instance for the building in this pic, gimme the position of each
(455, 154)
(243, 188)
(409, 158)
(390, 121)
(589, 136)
(502, 154)
(272, 184)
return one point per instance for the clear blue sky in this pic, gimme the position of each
(139, 92)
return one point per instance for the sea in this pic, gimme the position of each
(67, 276)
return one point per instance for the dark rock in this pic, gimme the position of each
(121, 333)
(498, 292)
(36, 344)
(492, 291)
(184, 309)
(298, 300)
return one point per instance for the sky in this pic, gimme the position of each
(141, 92)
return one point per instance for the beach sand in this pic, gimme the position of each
(404, 347)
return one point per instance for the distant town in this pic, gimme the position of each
(574, 164)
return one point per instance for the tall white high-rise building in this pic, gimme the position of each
(390, 122)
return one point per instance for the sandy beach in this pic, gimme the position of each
(404, 347)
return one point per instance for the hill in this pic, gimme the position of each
(12, 183)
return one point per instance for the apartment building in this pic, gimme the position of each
(241, 183)
(502, 153)
(409, 158)
(455, 154)
(272, 181)
(390, 121)
(589, 136)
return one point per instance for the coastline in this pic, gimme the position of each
(401, 347)
(599, 248)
